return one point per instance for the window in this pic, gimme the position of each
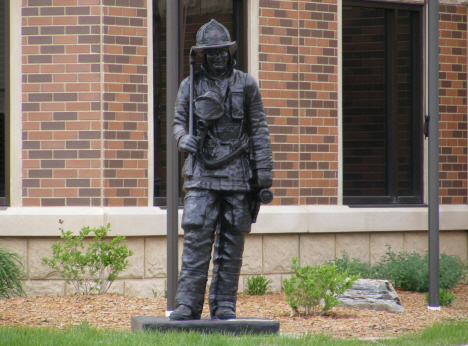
(382, 103)
(3, 98)
(194, 13)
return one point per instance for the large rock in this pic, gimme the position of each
(370, 294)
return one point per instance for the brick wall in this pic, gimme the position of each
(85, 136)
(71, 155)
(298, 80)
(453, 104)
(297, 74)
(125, 106)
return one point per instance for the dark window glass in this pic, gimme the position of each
(194, 13)
(3, 108)
(382, 115)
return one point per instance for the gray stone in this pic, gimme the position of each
(39, 248)
(315, 249)
(236, 326)
(278, 250)
(44, 287)
(148, 288)
(252, 258)
(136, 264)
(370, 294)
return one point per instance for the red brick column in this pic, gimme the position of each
(318, 85)
(453, 104)
(298, 80)
(81, 134)
(125, 103)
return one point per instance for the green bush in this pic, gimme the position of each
(405, 270)
(409, 271)
(353, 266)
(11, 272)
(446, 297)
(90, 269)
(452, 271)
(257, 285)
(315, 288)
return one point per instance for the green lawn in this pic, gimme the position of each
(453, 333)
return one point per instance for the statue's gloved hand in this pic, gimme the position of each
(264, 178)
(188, 143)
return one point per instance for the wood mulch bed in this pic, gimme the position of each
(114, 311)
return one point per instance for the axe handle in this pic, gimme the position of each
(190, 158)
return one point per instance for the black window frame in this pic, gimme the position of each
(5, 121)
(392, 197)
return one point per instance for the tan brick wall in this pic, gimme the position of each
(453, 104)
(85, 101)
(298, 69)
(125, 103)
(298, 79)
(69, 144)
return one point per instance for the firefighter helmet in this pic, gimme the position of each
(214, 35)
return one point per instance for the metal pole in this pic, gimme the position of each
(433, 94)
(172, 79)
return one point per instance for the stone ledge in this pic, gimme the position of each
(205, 325)
(151, 221)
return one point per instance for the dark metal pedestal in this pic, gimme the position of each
(206, 325)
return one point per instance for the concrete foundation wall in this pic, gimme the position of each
(265, 254)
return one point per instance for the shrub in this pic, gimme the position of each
(315, 288)
(257, 285)
(353, 266)
(11, 272)
(446, 297)
(409, 271)
(452, 271)
(405, 270)
(90, 269)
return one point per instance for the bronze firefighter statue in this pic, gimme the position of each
(219, 120)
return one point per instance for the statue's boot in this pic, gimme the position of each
(182, 313)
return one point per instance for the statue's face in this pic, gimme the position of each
(217, 59)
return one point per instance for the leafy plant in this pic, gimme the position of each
(11, 272)
(257, 285)
(446, 297)
(409, 271)
(159, 295)
(405, 270)
(353, 266)
(90, 269)
(315, 288)
(452, 271)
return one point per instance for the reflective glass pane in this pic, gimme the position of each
(194, 13)
(364, 101)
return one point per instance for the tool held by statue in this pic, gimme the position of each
(264, 196)
(193, 57)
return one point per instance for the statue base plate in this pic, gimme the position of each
(206, 325)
